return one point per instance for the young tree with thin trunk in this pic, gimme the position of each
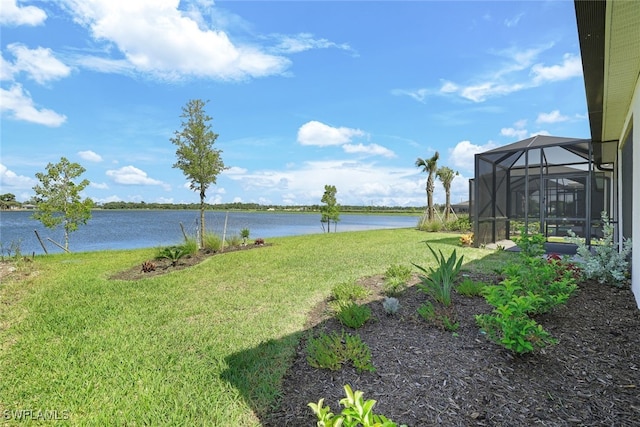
(446, 176)
(430, 166)
(198, 160)
(330, 211)
(58, 198)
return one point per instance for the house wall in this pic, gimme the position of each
(632, 124)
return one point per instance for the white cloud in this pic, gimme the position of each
(552, 117)
(90, 156)
(371, 149)
(319, 134)
(462, 156)
(13, 181)
(99, 186)
(157, 38)
(517, 134)
(419, 95)
(483, 91)
(19, 105)
(39, 64)
(571, 67)
(305, 41)
(512, 22)
(14, 15)
(131, 175)
(234, 170)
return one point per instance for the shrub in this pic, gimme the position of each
(391, 305)
(331, 351)
(438, 282)
(259, 241)
(348, 291)
(244, 235)
(427, 311)
(605, 264)
(148, 267)
(234, 241)
(172, 253)
(396, 278)
(466, 239)
(469, 288)
(212, 242)
(530, 244)
(432, 226)
(356, 412)
(462, 224)
(190, 246)
(353, 315)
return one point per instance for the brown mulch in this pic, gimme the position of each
(428, 376)
(164, 266)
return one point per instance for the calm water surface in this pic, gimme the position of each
(130, 229)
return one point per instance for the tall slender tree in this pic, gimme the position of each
(58, 198)
(446, 176)
(330, 211)
(198, 160)
(430, 166)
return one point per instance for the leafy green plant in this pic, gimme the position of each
(438, 282)
(356, 412)
(427, 311)
(462, 224)
(331, 351)
(234, 241)
(348, 291)
(244, 234)
(353, 315)
(604, 264)
(212, 242)
(395, 279)
(172, 253)
(190, 246)
(530, 244)
(469, 288)
(450, 324)
(391, 305)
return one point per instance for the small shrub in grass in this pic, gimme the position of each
(395, 279)
(353, 315)
(438, 282)
(469, 288)
(172, 253)
(212, 242)
(244, 235)
(462, 224)
(356, 412)
(234, 241)
(391, 305)
(331, 351)
(348, 291)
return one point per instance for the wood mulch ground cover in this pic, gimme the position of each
(428, 376)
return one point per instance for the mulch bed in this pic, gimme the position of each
(429, 376)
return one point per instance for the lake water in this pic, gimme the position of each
(131, 229)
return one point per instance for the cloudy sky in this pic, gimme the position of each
(302, 93)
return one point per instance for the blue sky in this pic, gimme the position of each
(302, 94)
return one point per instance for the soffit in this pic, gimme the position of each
(622, 64)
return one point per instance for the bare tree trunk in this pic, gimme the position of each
(202, 228)
(448, 206)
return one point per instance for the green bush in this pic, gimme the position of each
(438, 282)
(172, 253)
(469, 288)
(353, 315)
(395, 279)
(234, 241)
(530, 244)
(356, 412)
(190, 246)
(348, 291)
(605, 264)
(461, 224)
(212, 242)
(331, 351)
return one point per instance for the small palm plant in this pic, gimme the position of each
(244, 233)
(173, 254)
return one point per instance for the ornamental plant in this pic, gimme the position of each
(605, 263)
(391, 305)
(331, 351)
(356, 412)
(439, 281)
(395, 279)
(353, 315)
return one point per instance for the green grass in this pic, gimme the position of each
(206, 345)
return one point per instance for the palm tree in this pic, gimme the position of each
(446, 176)
(429, 166)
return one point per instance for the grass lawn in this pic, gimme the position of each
(207, 345)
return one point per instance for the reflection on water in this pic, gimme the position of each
(130, 229)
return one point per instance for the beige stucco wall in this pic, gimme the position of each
(633, 121)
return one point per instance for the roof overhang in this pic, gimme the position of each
(610, 47)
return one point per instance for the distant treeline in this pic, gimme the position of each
(258, 207)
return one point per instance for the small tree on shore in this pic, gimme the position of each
(430, 166)
(330, 210)
(58, 198)
(198, 160)
(446, 176)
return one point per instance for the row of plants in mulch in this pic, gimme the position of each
(212, 243)
(531, 286)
